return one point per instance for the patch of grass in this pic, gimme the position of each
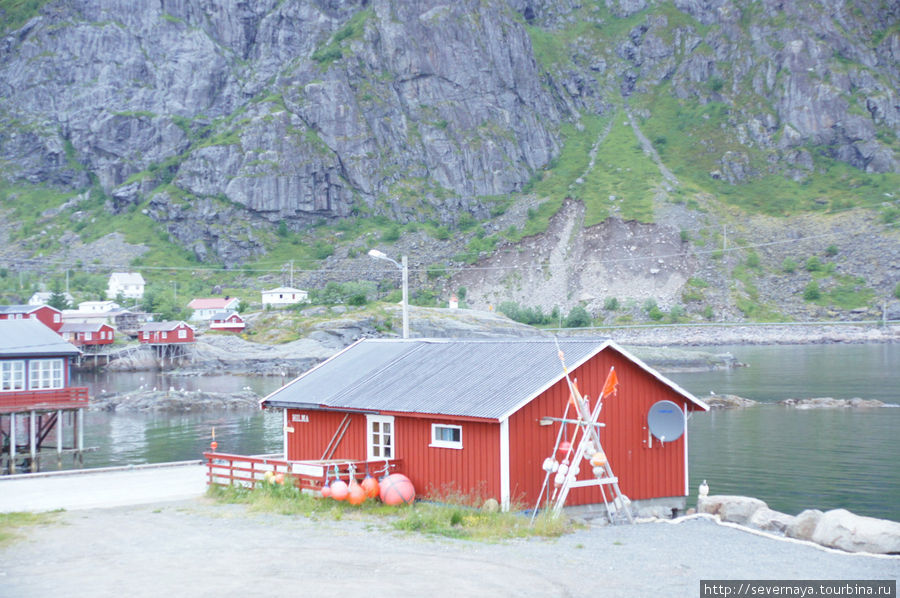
(18, 12)
(337, 45)
(451, 517)
(622, 180)
(11, 524)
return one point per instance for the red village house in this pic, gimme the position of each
(479, 414)
(35, 396)
(166, 333)
(227, 320)
(87, 335)
(49, 316)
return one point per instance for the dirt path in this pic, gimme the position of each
(196, 548)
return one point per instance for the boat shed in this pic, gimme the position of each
(481, 416)
(36, 400)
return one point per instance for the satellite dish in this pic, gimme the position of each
(666, 421)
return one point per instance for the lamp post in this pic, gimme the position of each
(378, 255)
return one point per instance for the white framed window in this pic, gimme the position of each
(446, 436)
(12, 375)
(380, 437)
(87, 336)
(45, 373)
(182, 333)
(56, 318)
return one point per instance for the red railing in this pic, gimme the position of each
(224, 469)
(58, 398)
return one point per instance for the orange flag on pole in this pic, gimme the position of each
(609, 387)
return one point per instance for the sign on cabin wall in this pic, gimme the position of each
(300, 417)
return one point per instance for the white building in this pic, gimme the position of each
(206, 308)
(43, 298)
(284, 296)
(98, 306)
(129, 284)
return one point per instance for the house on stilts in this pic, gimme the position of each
(38, 407)
(482, 416)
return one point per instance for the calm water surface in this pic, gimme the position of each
(791, 459)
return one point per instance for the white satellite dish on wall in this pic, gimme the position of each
(666, 421)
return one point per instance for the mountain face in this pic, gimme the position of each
(219, 119)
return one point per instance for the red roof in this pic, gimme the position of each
(213, 303)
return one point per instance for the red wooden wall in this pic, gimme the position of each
(643, 472)
(473, 468)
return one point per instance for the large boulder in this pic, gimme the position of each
(842, 529)
(804, 525)
(768, 520)
(736, 509)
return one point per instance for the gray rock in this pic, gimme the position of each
(804, 525)
(842, 529)
(735, 509)
(771, 521)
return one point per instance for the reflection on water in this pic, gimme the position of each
(795, 459)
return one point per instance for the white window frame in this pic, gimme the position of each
(12, 376)
(380, 445)
(438, 442)
(45, 374)
(88, 336)
(182, 333)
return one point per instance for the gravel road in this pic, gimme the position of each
(198, 548)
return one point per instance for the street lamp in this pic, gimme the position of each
(378, 255)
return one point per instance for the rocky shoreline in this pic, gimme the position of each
(837, 528)
(174, 400)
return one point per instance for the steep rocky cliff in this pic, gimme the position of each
(222, 119)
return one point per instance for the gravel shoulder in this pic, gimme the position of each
(199, 548)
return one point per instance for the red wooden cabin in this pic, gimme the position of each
(473, 414)
(227, 320)
(49, 316)
(87, 335)
(166, 333)
(35, 392)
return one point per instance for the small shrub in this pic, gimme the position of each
(788, 266)
(578, 318)
(611, 304)
(708, 312)
(752, 260)
(897, 291)
(813, 264)
(391, 234)
(812, 292)
(322, 250)
(831, 250)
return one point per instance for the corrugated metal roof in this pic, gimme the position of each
(82, 327)
(471, 378)
(20, 338)
(162, 326)
(19, 309)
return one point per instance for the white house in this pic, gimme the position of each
(98, 306)
(206, 308)
(129, 284)
(43, 298)
(284, 296)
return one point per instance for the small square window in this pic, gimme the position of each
(446, 436)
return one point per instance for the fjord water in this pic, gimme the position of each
(793, 459)
(798, 459)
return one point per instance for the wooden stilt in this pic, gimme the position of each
(80, 447)
(12, 443)
(32, 440)
(59, 438)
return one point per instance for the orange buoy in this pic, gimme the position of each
(396, 489)
(326, 491)
(598, 459)
(565, 446)
(279, 478)
(356, 495)
(339, 490)
(370, 485)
